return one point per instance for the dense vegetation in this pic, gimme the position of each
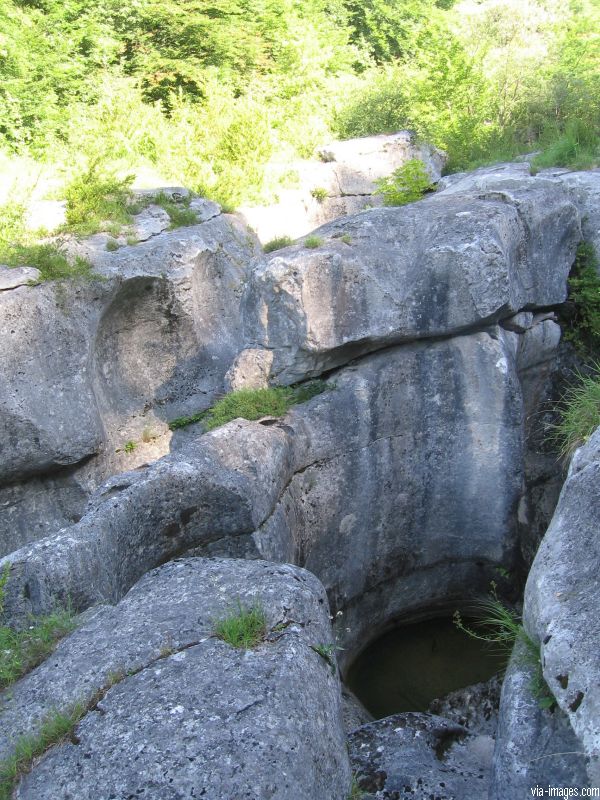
(205, 92)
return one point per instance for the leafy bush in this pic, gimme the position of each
(278, 243)
(244, 627)
(95, 199)
(580, 413)
(319, 193)
(406, 184)
(583, 325)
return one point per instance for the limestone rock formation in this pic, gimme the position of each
(561, 606)
(174, 711)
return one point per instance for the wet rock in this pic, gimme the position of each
(419, 756)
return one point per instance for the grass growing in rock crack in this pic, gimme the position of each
(245, 627)
(580, 413)
(501, 627)
(57, 727)
(179, 213)
(312, 242)
(583, 324)
(278, 243)
(21, 651)
(253, 404)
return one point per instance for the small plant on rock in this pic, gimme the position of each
(580, 413)
(312, 242)
(245, 627)
(406, 184)
(319, 193)
(278, 243)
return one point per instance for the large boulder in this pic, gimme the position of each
(172, 711)
(93, 370)
(454, 261)
(561, 601)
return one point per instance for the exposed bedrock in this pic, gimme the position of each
(453, 261)
(90, 366)
(561, 601)
(392, 510)
(164, 721)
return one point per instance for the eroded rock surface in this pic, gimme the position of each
(181, 713)
(419, 756)
(561, 601)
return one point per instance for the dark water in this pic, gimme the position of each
(410, 666)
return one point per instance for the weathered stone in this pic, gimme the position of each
(363, 486)
(475, 707)
(150, 222)
(561, 608)
(534, 747)
(250, 370)
(93, 367)
(420, 756)
(437, 267)
(182, 713)
(584, 191)
(11, 277)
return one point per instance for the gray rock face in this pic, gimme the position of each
(561, 609)
(363, 486)
(451, 262)
(419, 756)
(475, 707)
(89, 367)
(584, 191)
(183, 714)
(11, 277)
(534, 747)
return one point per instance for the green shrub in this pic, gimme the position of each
(580, 413)
(278, 243)
(312, 242)
(245, 627)
(405, 185)
(320, 194)
(583, 326)
(97, 199)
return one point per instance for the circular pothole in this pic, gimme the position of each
(411, 665)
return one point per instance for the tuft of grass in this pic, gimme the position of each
(57, 727)
(129, 446)
(312, 242)
(179, 213)
(580, 413)
(501, 627)
(319, 193)
(244, 627)
(406, 184)
(21, 651)
(356, 793)
(576, 147)
(253, 404)
(98, 200)
(278, 243)
(346, 238)
(112, 245)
